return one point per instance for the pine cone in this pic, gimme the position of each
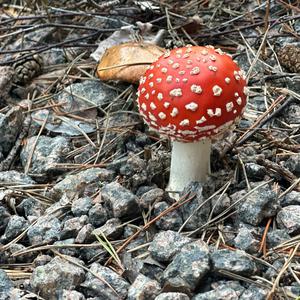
(289, 57)
(27, 68)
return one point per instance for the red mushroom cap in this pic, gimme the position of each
(192, 92)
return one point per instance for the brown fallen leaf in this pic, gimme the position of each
(128, 61)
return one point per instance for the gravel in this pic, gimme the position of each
(166, 244)
(59, 274)
(237, 262)
(188, 267)
(77, 164)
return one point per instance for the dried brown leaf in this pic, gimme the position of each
(128, 61)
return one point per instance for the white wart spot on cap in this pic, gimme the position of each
(147, 96)
(176, 92)
(153, 92)
(213, 68)
(167, 53)
(236, 94)
(189, 61)
(187, 132)
(177, 80)
(236, 75)
(212, 57)
(182, 72)
(196, 89)
(239, 100)
(192, 106)
(151, 67)
(246, 91)
(174, 112)
(151, 84)
(217, 91)
(216, 113)
(162, 115)
(188, 50)
(229, 106)
(138, 93)
(205, 128)
(235, 111)
(186, 55)
(152, 106)
(195, 71)
(209, 47)
(142, 80)
(151, 76)
(160, 96)
(219, 51)
(204, 52)
(143, 90)
(202, 120)
(184, 122)
(169, 78)
(170, 61)
(144, 106)
(164, 70)
(159, 80)
(151, 117)
(184, 80)
(227, 80)
(166, 104)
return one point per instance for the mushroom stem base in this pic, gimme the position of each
(189, 162)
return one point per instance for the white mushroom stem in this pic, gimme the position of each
(189, 162)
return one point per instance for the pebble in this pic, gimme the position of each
(151, 197)
(30, 207)
(123, 202)
(46, 230)
(81, 206)
(254, 292)
(112, 229)
(16, 225)
(59, 274)
(171, 221)
(70, 295)
(94, 287)
(276, 237)
(187, 268)
(85, 234)
(237, 262)
(44, 153)
(166, 244)
(224, 293)
(10, 126)
(247, 239)
(289, 218)
(172, 296)
(196, 217)
(72, 226)
(255, 171)
(220, 204)
(291, 198)
(6, 285)
(98, 215)
(260, 204)
(15, 177)
(143, 288)
(77, 184)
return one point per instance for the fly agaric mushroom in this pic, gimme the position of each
(192, 94)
